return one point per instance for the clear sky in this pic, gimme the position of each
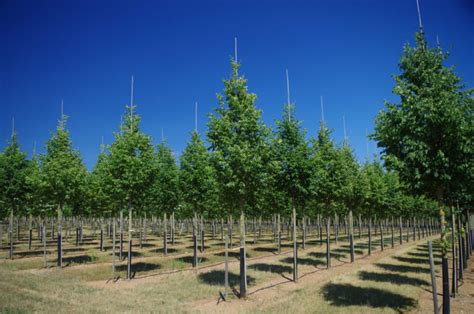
(85, 52)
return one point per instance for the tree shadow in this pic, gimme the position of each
(424, 255)
(392, 278)
(74, 249)
(81, 259)
(323, 254)
(349, 295)
(138, 267)
(125, 253)
(28, 253)
(198, 247)
(266, 249)
(303, 261)
(216, 278)
(189, 259)
(232, 254)
(162, 250)
(402, 268)
(411, 260)
(279, 269)
(144, 245)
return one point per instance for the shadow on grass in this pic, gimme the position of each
(162, 250)
(138, 267)
(278, 269)
(198, 247)
(144, 245)
(423, 255)
(402, 268)
(392, 278)
(266, 249)
(81, 259)
(27, 253)
(74, 249)
(125, 253)
(411, 260)
(232, 254)
(216, 278)
(189, 259)
(323, 254)
(304, 261)
(349, 295)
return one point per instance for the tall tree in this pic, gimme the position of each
(291, 152)
(13, 173)
(238, 138)
(130, 163)
(428, 136)
(100, 187)
(63, 174)
(322, 182)
(197, 180)
(13, 185)
(165, 189)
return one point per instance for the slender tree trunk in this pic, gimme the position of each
(445, 271)
(243, 258)
(113, 248)
(10, 234)
(295, 248)
(328, 243)
(370, 235)
(30, 231)
(454, 285)
(129, 262)
(60, 239)
(351, 236)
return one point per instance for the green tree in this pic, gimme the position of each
(427, 136)
(63, 174)
(130, 162)
(13, 173)
(291, 152)
(322, 184)
(165, 189)
(238, 138)
(100, 187)
(197, 180)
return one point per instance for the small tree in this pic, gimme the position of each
(13, 183)
(130, 163)
(63, 174)
(165, 189)
(197, 181)
(238, 138)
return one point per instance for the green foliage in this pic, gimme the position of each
(427, 137)
(130, 162)
(238, 139)
(13, 173)
(197, 180)
(290, 152)
(35, 197)
(165, 188)
(100, 187)
(63, 171)
(322, 182)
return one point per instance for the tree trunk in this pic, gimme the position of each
(295, 248)
(328, 243)
(129, 261)
(243, 258)
(351, 236)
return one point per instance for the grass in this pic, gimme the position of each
(389, 285)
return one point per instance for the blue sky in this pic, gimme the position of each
(85, 52)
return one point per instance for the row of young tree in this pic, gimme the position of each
(247, 168)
